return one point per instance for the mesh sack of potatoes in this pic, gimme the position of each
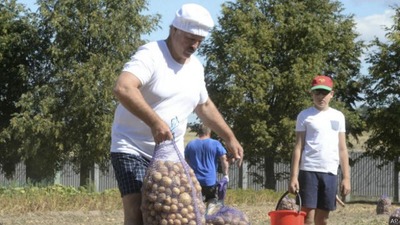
(171, 193)
(383, 205)
(220, 214)
(225, 215)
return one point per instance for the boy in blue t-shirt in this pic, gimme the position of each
(202, 155)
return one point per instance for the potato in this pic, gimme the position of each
(164, 222)
(179, 216)
(184, 221)
(184, 212)
(152, 197)
(154, 187)
(198, 187)
(176, 191)
(176, 181)
(219, 221)
(174, 208)
(184, 181)
(168, 191)
(166, 181)
(158, 206)
(171, 216)
(185, 199)
(176, 169)
(166, 208)
(168, 200)
(156, 176)
(190, 208)
(235, 221)
(172, 173)
(161, 197)
(163, 170)
(174, 201)
(191, 216)
(169, 164)
(160, 189)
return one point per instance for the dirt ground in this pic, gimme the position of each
(352, 214)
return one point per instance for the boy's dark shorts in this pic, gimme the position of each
(318, 190)
(129, 171)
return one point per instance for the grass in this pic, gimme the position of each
(250, 197)
(67, 205)
(22, 200)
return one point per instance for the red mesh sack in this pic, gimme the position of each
(171, 193)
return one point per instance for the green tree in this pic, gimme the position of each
(261, 60)
(382, 91)
(68, 118)
(18, 56)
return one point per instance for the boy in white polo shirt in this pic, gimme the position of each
(319, 150)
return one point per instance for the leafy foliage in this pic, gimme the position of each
(18, 73)
(261, 60)
(382, 90)
(68, 117)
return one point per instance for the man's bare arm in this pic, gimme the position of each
(127, 92)
(212, 118)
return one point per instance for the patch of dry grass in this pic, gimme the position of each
(60, 205)
(61, 198)
(55, 198)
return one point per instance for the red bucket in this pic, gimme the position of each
(287, 217)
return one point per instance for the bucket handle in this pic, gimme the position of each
(297, 197)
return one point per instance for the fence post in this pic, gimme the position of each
(57, 178)
(95, 177)
(243, 176)
(396, 196)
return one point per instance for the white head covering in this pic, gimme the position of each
(194, 19)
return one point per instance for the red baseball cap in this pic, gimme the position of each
(322, 82)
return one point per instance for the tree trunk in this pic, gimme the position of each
(396, 180)
(269, 171)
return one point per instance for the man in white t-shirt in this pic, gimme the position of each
(158, 89)
(319, 150)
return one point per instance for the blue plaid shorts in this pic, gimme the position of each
(129, 171)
